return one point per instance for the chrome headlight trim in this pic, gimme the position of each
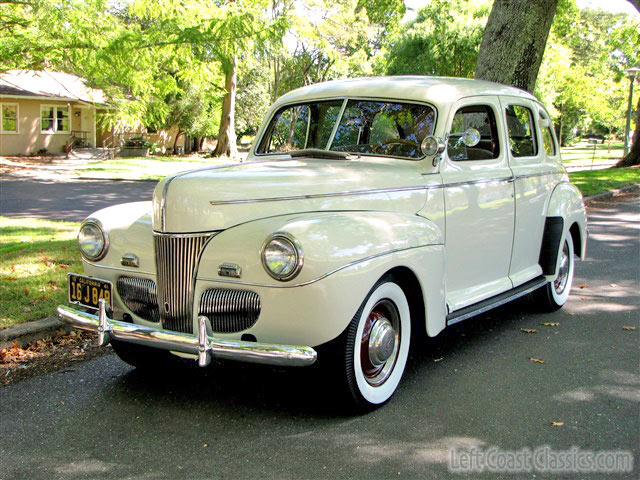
(295, 244)
(105, 237)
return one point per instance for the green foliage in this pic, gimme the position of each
(443, 40)
(581, 77)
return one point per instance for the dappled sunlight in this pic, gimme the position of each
(373, 450)
(85, 467)
(622, 385)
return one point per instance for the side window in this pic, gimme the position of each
(482, 119)
(547, 135)
(522, 139)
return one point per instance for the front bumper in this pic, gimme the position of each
(203, 345)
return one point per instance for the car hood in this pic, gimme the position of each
(217, 198)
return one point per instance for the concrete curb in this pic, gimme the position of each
(30, 331)
(39, 329)
(611, 193)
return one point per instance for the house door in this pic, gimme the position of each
(87, 125)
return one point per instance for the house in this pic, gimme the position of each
(47, 110)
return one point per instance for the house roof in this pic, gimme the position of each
(51, 85)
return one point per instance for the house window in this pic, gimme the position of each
(54, 119)
(9, 118)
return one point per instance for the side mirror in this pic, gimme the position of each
(431, 146)
(471, 137)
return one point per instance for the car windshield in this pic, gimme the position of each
(363, 127)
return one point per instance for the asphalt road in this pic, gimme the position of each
(472, 386)
(66, 200)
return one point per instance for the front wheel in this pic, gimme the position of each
(553, 295)
(377, 346)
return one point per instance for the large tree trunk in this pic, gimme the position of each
(227, 133)
(514, 40)
(633, 157)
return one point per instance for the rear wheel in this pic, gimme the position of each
(554, 294)
(377, 346)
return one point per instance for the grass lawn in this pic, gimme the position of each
(583, 154)
(147, 168)
(591, 182)
(35, 257)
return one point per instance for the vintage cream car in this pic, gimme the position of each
(368, 212)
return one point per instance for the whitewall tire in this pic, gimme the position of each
(377, 345)
(554, 294)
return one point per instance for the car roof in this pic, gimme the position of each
(435, 90)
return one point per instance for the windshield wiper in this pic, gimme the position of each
(323, 154)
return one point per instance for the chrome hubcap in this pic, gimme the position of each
(380, 342)
(560, 283)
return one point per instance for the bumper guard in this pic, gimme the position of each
(204, 345)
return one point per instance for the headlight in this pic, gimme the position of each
(92, 240)
(282, 256)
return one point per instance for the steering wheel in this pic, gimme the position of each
(394, 141)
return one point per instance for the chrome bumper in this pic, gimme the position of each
(204, 345)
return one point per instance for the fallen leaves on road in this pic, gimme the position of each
(557, 424)
(583, 285)
(536, 360)
(550, 324)
(57, 351)
(529, 330)
(630, 328)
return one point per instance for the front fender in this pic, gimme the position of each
(329, 240)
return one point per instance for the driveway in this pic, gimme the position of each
(472, 386)
(66, 200)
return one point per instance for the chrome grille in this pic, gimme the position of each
(140, 296)
(230, 310)
(176, 265)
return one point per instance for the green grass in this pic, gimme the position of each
(591, 182)
(35, 257)
(583, 153)
(146, 168)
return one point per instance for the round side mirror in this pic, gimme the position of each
(471, 137)
(431, 146)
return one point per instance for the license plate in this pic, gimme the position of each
(87, 291)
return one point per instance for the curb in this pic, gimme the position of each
(30, 331)
(611, 193)
(39, 329)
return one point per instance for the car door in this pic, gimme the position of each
(479, 204)
(535, 167)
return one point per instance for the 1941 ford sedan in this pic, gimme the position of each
(368, 211)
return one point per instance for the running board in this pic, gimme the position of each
(496, 301)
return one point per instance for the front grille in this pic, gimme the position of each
(140, 296)
(176, 265)
(230, 310)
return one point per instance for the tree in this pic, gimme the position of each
(443, 40)
(514, 41)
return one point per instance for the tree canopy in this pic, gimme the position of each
(212, 67)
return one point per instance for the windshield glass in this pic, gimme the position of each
(366, 127)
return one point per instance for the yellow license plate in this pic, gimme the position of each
(87, 291)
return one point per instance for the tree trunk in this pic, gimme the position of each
(227, 133)
(175, 141)
(633, 157)
(514, 40)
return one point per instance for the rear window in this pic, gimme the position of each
(522, 139)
